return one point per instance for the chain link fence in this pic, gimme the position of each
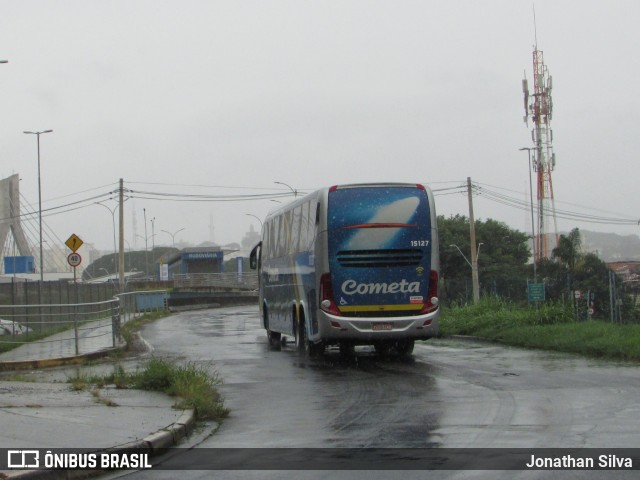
(607, 296)
(90, 325)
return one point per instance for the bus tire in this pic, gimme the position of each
(301, 337)
(315, 349)
(382, 348)
(273, 337)
(347, 349)
(405, 347)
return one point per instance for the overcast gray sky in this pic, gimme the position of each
(241, 94)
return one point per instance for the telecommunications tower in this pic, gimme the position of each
(539, 108)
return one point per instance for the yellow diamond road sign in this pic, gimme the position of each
(74, 242)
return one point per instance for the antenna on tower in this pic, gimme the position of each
(539, 107)
(535, 27)
(525, 91)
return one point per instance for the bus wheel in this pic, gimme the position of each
(347, 349)
(382, 348)
(274, 339)
(405, 347)
(301, 338)
(315, 349)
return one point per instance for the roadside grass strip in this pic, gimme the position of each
(548, 327)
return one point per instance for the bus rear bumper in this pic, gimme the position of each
(368, 330)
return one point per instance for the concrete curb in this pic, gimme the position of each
(56, 362)
(154, 444)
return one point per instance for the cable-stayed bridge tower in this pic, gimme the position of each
(10, 215)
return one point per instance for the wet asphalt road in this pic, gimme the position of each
(451, 394)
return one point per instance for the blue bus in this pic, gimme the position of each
(351, 265)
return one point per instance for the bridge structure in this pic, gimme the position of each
(10, 216)
(213, 289)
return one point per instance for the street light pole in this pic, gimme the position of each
(256, 217)
(173, 236)
(294, 191)
(37, 134)
(474, 269)
(533, 232)
(463, 255)
(113, 222)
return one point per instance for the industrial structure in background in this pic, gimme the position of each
(539, 108)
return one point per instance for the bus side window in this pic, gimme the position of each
(304, 227)
(277, 236)
(294, 241)
(270, 252)
(285, 234)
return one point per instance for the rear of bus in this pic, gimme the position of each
(379, 280)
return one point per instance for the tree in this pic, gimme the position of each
(570, 270)
(591, 276)
(568, 249)
(502, 258)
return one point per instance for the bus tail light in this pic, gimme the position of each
(326, 295)
(432, 295)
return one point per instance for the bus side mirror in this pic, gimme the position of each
(253, 256)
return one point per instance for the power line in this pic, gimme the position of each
(564, 214)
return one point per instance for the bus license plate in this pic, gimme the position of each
(382, 326)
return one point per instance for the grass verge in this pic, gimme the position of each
(194, 386)
(549, 327)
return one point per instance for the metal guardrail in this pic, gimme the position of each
(85, 323)
(227, 281)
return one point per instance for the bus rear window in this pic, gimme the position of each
(378, 217)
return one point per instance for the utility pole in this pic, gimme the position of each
(146, 244)
(121, 253)
(534, 241)
(472, 238)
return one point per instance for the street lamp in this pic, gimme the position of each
(113, 222)
(37, 134)
(474, 271)
(294, 191)
(256, 217)
(533, 233)
(173, 236)
(463, 255)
